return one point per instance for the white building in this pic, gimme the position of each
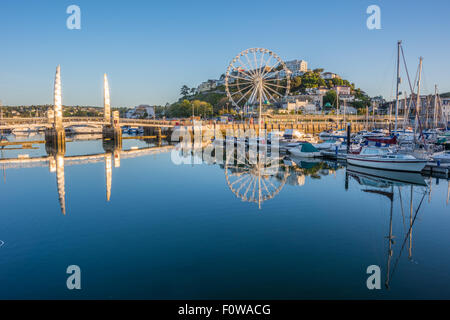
(296, 68)
(141, 111)
(446, 107)
(207, 86)
(329, 75)
(316, 99)
(343, 90)
(294, 106)
(297, 65)
(347, 97)
(309, 104)
(311, 109)
(322, 91)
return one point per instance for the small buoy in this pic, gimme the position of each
(2, 243)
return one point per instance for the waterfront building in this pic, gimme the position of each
(307, 103)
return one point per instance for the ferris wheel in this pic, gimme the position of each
(255, 181)
(256, 76)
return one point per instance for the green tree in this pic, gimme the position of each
(331, 98)
(296, 82)
(318, 70)
(185, 91)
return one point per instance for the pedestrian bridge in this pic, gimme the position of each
(37, 123)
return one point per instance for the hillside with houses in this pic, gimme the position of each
(311, 92)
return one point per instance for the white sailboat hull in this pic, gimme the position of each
(409, 165)
(296, 152)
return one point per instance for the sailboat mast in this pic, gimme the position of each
(337, 108)
(435, 106)
(418, 96)
(391, 240)
(399, 43)
(367, 118)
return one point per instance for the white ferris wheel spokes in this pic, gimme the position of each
(256, 76)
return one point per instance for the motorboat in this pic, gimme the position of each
(328, 144)
(84, 128)
(442, 157)
(21, 131)
(285, 146)
(305, 150)
(384, 158)
(133, 131)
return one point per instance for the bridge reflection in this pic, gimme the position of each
(56, 161)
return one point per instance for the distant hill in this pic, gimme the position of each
(445, 95)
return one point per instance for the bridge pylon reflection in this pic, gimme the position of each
(56, 164)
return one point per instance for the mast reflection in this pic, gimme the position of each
(383, 183)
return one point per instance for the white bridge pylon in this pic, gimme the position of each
(57, 100)
(106, 100)
(56, 115)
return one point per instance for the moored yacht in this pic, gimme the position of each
(305, 150)
(384, 158)
(84, 128)
(442, 157)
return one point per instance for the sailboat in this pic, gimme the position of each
(389, 159)
(385, 159)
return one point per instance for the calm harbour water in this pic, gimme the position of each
(184, 231)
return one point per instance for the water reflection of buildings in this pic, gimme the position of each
(386, 183)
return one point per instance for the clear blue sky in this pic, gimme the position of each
(149, 49)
